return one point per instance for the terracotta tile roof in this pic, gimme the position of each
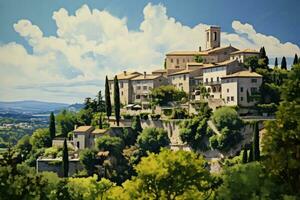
(185, 71)
(245, 74)
(126, 75)
(160, 71)
(224, 63)
(99, 131)
(84, 128)
(246, 51)
(201, 53)
(146, 77)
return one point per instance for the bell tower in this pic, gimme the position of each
(213, 37)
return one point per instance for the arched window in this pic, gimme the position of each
(208, 89)
(214, 89)
(215, 36)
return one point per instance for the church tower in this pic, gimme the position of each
(213, 37)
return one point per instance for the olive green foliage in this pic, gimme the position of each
(85, 117)
(247, 181)
(171, 175)
(88, 160)
(65, 160)
(165, 94)
(152, 139)
(193, 131)
(179, 113)
(251, 63)
(52, 128)
(281, 141)
(198, 59)
(40, 138)
(66, 121)
(110, 143)
(229, 124)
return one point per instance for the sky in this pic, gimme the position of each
(61, 51)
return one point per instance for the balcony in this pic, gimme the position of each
(213, 83)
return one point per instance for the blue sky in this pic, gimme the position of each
(64, 57)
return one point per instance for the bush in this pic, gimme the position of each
(227, 117)
(127, 116)
(179, 113)
(51, 152)
(267, 108)
(144, 116)
(155, 116)
(213, 141)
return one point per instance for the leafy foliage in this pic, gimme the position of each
(165, 94)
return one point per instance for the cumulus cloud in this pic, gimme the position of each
(93, 43)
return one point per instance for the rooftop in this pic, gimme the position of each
(146, 77)
(83, 128)
(195, 53)
(99, 131)
(243, 74)
(127, 75)
(246, 51)
(185, 71)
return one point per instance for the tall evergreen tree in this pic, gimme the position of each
(283, 63)
(65, 159)
(255, 145)
(276, 63)
(262, 53)
(245, 155)
(52, 129)
(117, 103)
(100, 121)
(100, 102)
(295, 60)
(107, 99)
(250, 157)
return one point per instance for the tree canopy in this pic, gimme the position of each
(165, 94)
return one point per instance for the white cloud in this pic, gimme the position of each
(93, 43)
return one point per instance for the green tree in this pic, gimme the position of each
(198, 59)
(167, 93)
(113, 144)
(65, 159)
(295, 60)
(107, 99)
(283, 63)
(227, 117)
(85, 116)
(40, 138)
(100, 102)
(251, 63)
(52, 126)
(171, 175)
(152, 139)
(276, 63)
(117, 103)
(245, 155)
(280, 144)
(66, 121)
(88, 160)
(256, 151)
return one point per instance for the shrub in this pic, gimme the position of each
(127, 116)
(51, 152)
(227, 117)
(213, 141)
(144, 116)
(179, 113)
(267, 108)
(155, 116)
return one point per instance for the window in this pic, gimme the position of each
(177, 67)
(150, 88)
(218, 79)
(183, 60)
(220, 89)
(144, 87)
(171, 60)
(215, 36)
(253, 90)
(242, 98)
(254, 80)
(177, 61)
(228, 98)
(78, 144)
(121, 85)
(207, 36)
(206, 80)
(138, 87)
(242, 89)
(211, 79)
(137, 96)
(212, 96)
(208, 90)
(227, 90)
(121, 93)
(232, 98)
(214, 89)
(184, 77)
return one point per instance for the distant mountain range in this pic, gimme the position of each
(34, 107)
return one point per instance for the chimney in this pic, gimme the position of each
(144, 74)
(199, 48)
(124, 73)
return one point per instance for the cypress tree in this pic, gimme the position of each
(295, 60)
(245, 155)
(283, 63)
(52, 126)
(250, 157)
(107, 99)
(117, 100)
(276, 63)
(100, 102)
(100, 121)
(65, 160)
(255, 146)
(262, 53)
